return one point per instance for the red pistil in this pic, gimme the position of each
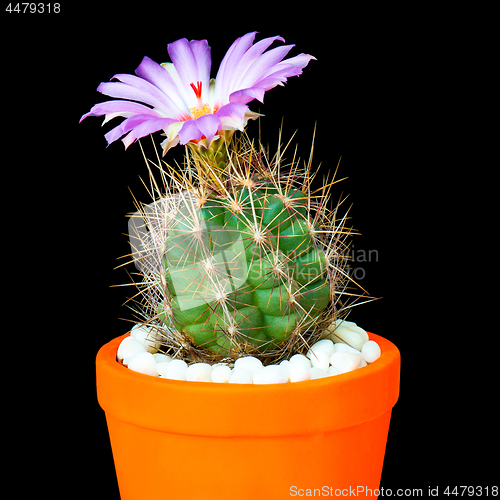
(197, 89)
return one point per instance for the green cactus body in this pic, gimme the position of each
(239, 255)
(244, 272)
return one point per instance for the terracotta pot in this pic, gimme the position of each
(206, 441)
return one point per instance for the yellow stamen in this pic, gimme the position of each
(197, 112)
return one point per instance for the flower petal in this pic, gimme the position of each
(138, 126)
(263, 65)
(246, 72)
(244, 96)
(202, 54)
(125, 91)
(232, 116)
(189, 132)
(145, 128)
(253, 54)
(225, 74)
(276, 74)
(187, 97)
(172, 132)
(120, 130)
(300, 61)
(158, 76)
(284, 69)
(192, 60)
(237, 65)
(113, 109)
(208, 125)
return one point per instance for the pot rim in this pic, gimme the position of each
(229, 410)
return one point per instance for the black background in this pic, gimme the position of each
(381, 97)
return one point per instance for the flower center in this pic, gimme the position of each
(202, 108)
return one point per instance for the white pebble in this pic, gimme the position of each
(345, 361)
(363, 363)
(348, 336)
(145, 336)
(162, 368)
(300, 359)
(176, 370)
(128, 347)
(315, 372)
(347, 332)
(349, 325)
(143, 362)
(333, 371)
(250, 363)
(325, 345)
(241, 376)
(319, 359)
(371, 351)
(354, 327)
(286, 365)
(199, 372)
(221, 373)
(271, 374)
(297, 372)
(161, 358)
(341, 347)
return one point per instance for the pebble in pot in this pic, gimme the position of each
(319, 359)
(326, 357)
(348, 333)
(315, 372)
(371, 351)
(249, 363)
(143, 362)
(241, 376)
(145, 335)
(199, 372)
(300, 359)
(176, 370)
(298, 372)
(345, 361)
(128, 348)
(272, 374)
(221, 374)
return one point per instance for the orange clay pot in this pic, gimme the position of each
(207, 441)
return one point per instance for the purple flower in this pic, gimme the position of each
(181, 99)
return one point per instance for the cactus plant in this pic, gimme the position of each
(240, 260)
(237, 253)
